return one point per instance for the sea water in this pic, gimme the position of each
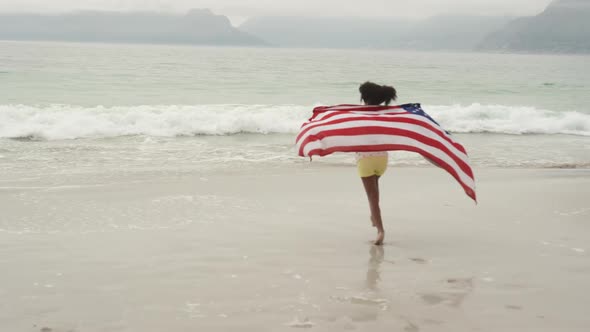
(67, 106)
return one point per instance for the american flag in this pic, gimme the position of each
(354, 128)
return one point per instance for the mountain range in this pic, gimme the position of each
(436, 33)
(198, 26)
(563, 27)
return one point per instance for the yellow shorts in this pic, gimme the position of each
(369, 166)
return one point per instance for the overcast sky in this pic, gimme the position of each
(241, 9)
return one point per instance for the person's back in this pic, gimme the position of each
(372, 165)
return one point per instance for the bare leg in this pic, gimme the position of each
(371, 185)
(378, 200)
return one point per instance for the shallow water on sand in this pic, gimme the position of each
(273, 249)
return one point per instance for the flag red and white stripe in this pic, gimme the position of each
(354, 128)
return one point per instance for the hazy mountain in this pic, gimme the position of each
(564, 27)
(450, 32)
(325, 32)
(440, 32)
(196, 27)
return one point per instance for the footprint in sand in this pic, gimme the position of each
(412, 327)
(513, 307)
(461, 283)
(460, 288)
(419, 260)
(432, 299)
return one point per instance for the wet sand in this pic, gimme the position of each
(284, 248)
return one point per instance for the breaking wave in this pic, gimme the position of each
(58, 122)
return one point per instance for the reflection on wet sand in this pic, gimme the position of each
(374, 267)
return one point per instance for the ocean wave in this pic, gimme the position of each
(477, 118)
(58, 122)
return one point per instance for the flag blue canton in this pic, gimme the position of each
(417, 109)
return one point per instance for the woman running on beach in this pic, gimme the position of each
(372, 165)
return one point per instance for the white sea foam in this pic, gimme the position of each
(56, 122)
(478, 118)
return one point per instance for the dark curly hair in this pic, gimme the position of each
(375, 94)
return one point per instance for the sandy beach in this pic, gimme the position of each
(159, 188)
(281, 248)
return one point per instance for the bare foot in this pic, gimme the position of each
(380, 238)
(373, 221)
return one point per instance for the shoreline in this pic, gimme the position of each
(272, 249)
